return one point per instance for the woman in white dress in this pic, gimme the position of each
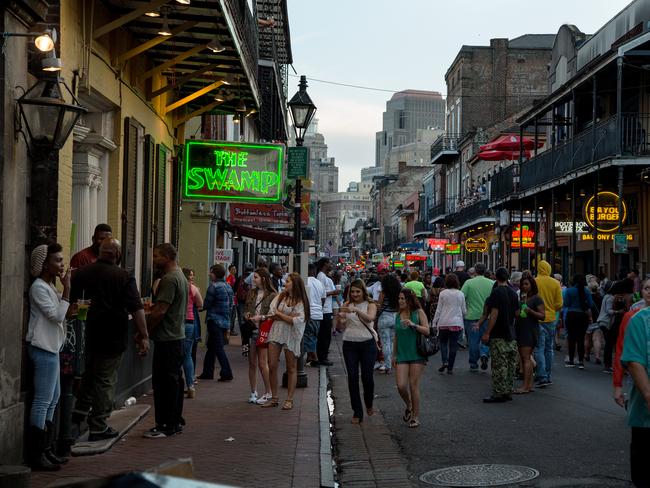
(289, 311)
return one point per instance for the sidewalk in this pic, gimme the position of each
(366, 454)
(230, 441)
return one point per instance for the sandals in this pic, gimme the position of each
(287, 405)
(273, 402)
(407, 415)
(413, 423)
(521, 391)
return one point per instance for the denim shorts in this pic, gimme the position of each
(310, 338)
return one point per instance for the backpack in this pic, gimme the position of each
(242, 290)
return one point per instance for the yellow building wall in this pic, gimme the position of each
(193, 244)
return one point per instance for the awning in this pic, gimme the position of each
(509, 142)
(260, 235)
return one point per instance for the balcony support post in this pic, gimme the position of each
(619, 108)
(536, 238)
(621, 170)
(595, 234)
(552, 230)
(574, 234)
(536, 138)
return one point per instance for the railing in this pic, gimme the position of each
(421, 227)
(246, 27)
(467, 214)
(502, 184)
(445, 143)
(437, 210)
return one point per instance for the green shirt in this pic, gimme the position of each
(636, 348)
(416, 287)
(476, 291)
(406, 340)
(173, 289)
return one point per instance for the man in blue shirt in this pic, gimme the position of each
(218, 303)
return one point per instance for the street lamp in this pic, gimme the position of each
(302, 112)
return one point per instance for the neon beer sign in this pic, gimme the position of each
(237, 172)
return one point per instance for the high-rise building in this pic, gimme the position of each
(323, 170)
(406, 112)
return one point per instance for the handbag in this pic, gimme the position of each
(428, 345)
(264, 330)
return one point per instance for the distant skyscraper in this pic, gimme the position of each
(406, 112)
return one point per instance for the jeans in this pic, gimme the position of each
(449, 346)
(545, 350)
(386, 328)
(167, 383)
(188, 362)
(324, 337)
(361, 354)
(47, 385)
(476, 348)
(215, 346)
(97, 390)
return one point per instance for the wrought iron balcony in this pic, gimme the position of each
(445, 149)
(422, 229)
(502, 184)
(437, 212)
(470, 213)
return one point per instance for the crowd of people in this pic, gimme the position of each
(516, 320)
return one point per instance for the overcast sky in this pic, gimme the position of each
(396, 45)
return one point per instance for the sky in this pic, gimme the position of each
(397, 45)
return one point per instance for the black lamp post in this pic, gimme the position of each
(302, 112)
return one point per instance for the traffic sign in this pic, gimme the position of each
(297, 162)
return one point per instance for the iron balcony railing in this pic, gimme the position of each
(246, 30)
(502, 184)
(421, 227)
(437, 210)
(445, 148)
(470, 213)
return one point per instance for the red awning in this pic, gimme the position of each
(509, 142)
(261, 235)
(494, 155)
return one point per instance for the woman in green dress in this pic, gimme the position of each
(409, 322)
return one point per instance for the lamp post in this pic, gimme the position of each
(302, 112)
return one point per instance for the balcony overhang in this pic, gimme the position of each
(445, 156)
(423, 233)
(467, 225)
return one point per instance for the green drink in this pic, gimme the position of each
(82, 309)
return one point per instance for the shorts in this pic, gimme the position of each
(413, 361)
(310, 338)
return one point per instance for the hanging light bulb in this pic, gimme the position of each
(241, 106)
(218, 98)
(215, 46)
(50, 62)
(235, 119)
(165, 31)
(184, 2)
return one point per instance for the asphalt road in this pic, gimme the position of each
(571, 432)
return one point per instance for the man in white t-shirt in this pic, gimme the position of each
(324, 266)
(317, 297)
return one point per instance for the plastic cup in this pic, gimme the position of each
(146, 304)
(82, 309)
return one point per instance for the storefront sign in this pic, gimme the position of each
(269, 214)
(566, 228)
(606, 215)
(297, 162)
(620, 244)
(232, 172)
(411, 246)
(436, 244)
(223, 256)
(273, 251)
(523, 237)
(605, 237)
(476, 244)
(415, 257)
(453, 248)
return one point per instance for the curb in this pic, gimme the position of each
(326, 461)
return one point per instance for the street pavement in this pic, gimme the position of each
(571, 432)
(230, 442)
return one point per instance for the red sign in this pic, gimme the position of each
(453, 248)
(415, 257)
(525, 238)
(436, 244)
(271, 214)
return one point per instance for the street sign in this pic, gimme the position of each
(272, 251)
(297, 162)
(620, 243)
(223, 256)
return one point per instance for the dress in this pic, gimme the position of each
(289, 335)
(527, 330)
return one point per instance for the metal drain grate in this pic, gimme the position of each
(479, 475)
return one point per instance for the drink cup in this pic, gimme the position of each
(146, 304)
(82, 309)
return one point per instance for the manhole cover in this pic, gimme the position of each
(479, 475)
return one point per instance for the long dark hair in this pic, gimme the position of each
(412, 303)
(267, 283)
(580, 283)
(391, 287)
(361, 286)
(533, 284)
(297, 294)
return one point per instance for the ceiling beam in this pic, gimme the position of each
(168, 64)
(193, 96)
(126, 18)
(196, 113)
(181, 81)
(132, 53)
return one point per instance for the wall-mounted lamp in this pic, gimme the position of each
(50, 62)
(44, 41)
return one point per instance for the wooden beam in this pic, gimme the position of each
(125, 19)
(181, 81)
(196, 113)
(168, 64)
(193, 96)
(132, 53)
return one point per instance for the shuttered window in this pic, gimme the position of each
(160, 211)
(148, 211)
(129, 196)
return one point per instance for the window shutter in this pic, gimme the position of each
(129, 197)
(176, 197)
(161, 187)
(147, 212)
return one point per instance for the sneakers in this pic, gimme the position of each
(191, 392)
(382, 369)
(160, 432)
(253, 397)
(569, 364)
(109, 433)
(484, 363)
(608, 370)
(263, 399)
(581, 366)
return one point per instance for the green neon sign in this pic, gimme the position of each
(237, 172)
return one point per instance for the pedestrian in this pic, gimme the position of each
(463, 276)
(231, 280)
(194, 303)
(515, 280)
(594, 337)
(45, 337)
(476, 291)
(409, 322)
(166, 324)
(449, 319)
(636, 359)
(503, 307)
(218, 304)
(417, 287)
(277, 276)
(289, 311)
(550, 292)
(606, 315)
(356, 318)
(578, 303)
(114, 296)
(388, 307)
(242, 286)
(90, 254)
(317, 297)
(258, 303)
(324, 266)
(527, 329)
(622, 302)
(437, 287)
(337, 300)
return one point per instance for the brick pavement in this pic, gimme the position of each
(271, 447)
(366, 454)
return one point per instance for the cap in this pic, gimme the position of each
(39, 255)
(381, 267)
(460, 264)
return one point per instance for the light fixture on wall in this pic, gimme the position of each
(184, 2)
(165, 31)
(50, 62)
(583, 192)
(235, 119)
(44, 41)
(218, 98)
(152, 13)
(215, 46)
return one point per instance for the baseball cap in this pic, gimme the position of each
(460, 264)
(382, 267)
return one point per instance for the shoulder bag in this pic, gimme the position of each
(428, 345)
